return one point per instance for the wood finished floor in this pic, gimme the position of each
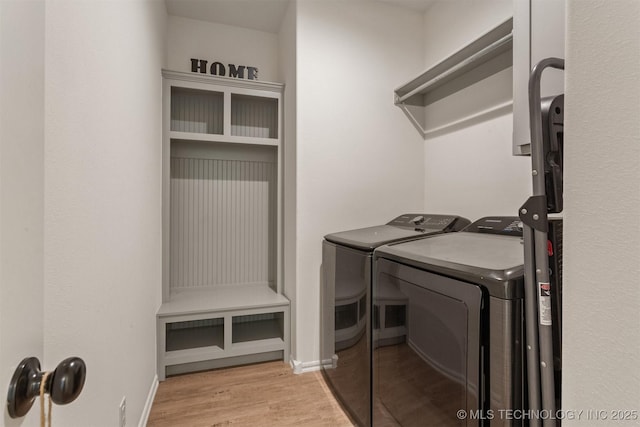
(264, 394)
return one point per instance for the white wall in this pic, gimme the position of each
(21, 189)
(102, 175)
(287, 66)
(469, 169)
(451, 25)
(359, 160)
(602, 200)
(189, 38)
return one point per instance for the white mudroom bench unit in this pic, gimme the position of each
(222, 296)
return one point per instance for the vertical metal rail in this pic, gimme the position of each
(537, 284)
(531, 323)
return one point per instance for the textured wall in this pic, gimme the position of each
(359, 159)
(602, 201)
(189, 38)
(469, 169)
(21, 189)
(102, 176)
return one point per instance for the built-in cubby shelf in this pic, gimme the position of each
(254, 116)
(195, 334)
(197, 111)
(222, 289)
(483, 57)
(204, 329)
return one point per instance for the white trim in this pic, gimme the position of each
(144, 418)
(227, 81)
(304, 367)
(215, 137)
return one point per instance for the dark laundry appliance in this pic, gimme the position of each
(463, 347)
(346, 320)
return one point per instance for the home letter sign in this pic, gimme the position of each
(219, 69)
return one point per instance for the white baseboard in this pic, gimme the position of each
(144, 418)
(304, 367)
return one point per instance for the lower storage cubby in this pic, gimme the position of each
(257, 327)
(195, 334)
(226, 327)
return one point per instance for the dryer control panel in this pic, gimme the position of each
(422, 221)
(504, 225)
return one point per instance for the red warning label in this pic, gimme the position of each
(544, 303)
(545, 290)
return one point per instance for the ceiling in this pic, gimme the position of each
(262, 15)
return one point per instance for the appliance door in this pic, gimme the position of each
(427, 375)
(345, 336)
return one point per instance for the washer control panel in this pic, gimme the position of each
(422, 221)
(505, 225)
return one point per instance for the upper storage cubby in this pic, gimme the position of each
(197, 111)
(220, 109)
(254, 116)
(485, 56)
